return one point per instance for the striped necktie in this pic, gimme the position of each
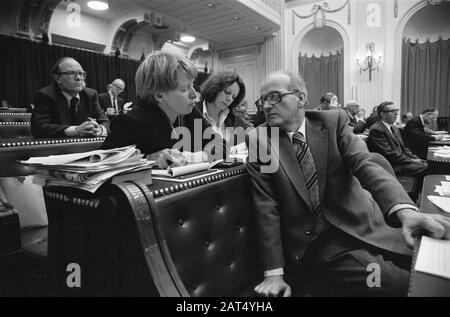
(306, 161)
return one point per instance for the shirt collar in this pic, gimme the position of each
(387, 125)
(302, 130)
(421, 119)
(69, 97)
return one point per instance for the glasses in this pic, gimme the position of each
(393, 110)
(274, 97)
(74, 74)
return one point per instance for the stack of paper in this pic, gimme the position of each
(442, 151)
(434, 257)
(87, 170)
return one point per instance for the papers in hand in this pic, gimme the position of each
(126, 107)
(434, 257)
(441, 202)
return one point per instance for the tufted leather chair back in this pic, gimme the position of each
(15, 124)
(209, 235)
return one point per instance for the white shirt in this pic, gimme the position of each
(388, 126)
(218, 127)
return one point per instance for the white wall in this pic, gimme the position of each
(59, 25)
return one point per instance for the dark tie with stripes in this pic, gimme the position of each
(73, 110)
(306, 161)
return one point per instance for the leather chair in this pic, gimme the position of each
(15, 124)
(168, 239)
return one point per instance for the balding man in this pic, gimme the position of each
(66, 108)
(111, 99)
(355, 122)
(322, 212)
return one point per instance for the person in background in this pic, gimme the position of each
(415, 136)
(328, 102)
(406, 117)
(385, 138)
(353, 111)
(221, 94)
(371, 119)
(322, 212)
(110, 101)
(166, 106)
(66, 108)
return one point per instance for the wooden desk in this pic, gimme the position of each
(422, 284)
(437, 165)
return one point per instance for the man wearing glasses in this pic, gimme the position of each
(110, 102)
(385, 138)
(66, 108)
(321, 215)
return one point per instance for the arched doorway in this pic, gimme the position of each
(321, 63)
(425, 54)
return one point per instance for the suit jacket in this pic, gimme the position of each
(51, 114)
(416, 138)
(105, 101)
(356, 192)
(357, 125)
(147, 126)
(391, 146)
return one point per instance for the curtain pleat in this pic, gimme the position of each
(25, 67)
(322, 74)
(426, 76)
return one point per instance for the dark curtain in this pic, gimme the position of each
(25, 67)
(322, 74)
(426, 76)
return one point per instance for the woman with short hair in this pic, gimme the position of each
(165, 113)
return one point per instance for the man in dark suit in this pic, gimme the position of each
(322, 202)
(111, 98)
(385, 138)
(355, 122)
(414, 133)
(67, 107)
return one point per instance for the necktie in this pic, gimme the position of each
(115, 104)
(306, 161)
(73, 110)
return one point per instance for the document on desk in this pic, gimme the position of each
(441, 202)
(434, 257)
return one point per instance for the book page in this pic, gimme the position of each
(441, 202)
(434, 257)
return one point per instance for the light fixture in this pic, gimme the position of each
(98, 5)
(370, 62)
(187, 39)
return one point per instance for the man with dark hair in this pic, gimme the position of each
(66, 108)
(415, 136)
(385, 138)
(322, 212)
(328, 102)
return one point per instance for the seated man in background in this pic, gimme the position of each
(111, 100)
(415, 136)
(328, 102)
(66, 108)
(166, 106)
(385, 138)
(322, 210)
(356, 122)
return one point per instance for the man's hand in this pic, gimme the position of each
(166, 158)
(88, 128)
(273, 286)
(415, 223)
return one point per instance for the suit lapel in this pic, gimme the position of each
(317, 139)
(63, 110)
(290, 165)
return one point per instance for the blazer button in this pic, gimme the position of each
(308, 231)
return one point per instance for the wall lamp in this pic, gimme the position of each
(370, 61)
